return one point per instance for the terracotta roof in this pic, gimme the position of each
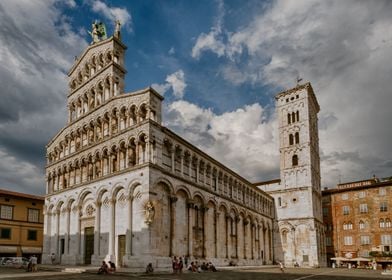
(267, 182)
(18, 194)
(353, 186)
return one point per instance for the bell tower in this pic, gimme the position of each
(298, 196)
(298, 138)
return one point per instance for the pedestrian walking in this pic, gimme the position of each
(175, 265)
(33, 260)
(180, 265)
(281, 266)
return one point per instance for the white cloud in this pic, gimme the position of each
(213, 40)
(172, 51)
(343, 55)
(70, 3)
(174, 81)
(210, 42)
(161, 88)
(113, 13)
(177, 82)
(244, 140)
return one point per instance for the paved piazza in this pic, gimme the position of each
(265, 274)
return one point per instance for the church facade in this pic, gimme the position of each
(122, 187)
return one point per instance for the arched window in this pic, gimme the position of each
(350, 225)
(361, 225)
(388, 223)
(344, 226)
(291, 139)
(297, 138)
(295, 160)
(284, 237)
(288, 118)
(297, 116)
(293, 117)
(382, 223)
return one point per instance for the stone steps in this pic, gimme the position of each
(74, 270)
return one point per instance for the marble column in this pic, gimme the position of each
(112, 233)
(258, 241)
(128, 237)
(147, 157)
(252, 236)
(126, 156)
(228, 218)
(110, 130)
(263, 240)
(137, 153)
(182, 163)
(245, 225)
(197, 171)
(78, 237)
(58, 213)
(118, 160)
(217, 232)
(237, 220)
(173, 200)
(204, 210)
(97, 227)
(68, 226)
(190, 228)
(172, 161)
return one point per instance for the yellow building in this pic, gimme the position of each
(21, 224)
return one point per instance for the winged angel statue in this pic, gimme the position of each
(98, 32)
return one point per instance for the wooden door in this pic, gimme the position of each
(88, 244)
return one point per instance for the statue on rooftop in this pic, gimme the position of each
(98, 32)
(117, 29)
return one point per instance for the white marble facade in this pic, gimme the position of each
(122, 187)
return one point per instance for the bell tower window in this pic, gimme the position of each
(291, 139)
(294, 160)
(297, 138)
(289, 118)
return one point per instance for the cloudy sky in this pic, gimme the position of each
(218, 65)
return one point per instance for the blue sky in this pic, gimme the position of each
(218, 64)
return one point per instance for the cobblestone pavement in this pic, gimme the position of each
(254, 274)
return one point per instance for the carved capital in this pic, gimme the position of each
(190, 203)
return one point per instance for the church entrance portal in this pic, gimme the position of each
(89, 244)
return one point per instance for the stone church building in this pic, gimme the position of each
(122, 187)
